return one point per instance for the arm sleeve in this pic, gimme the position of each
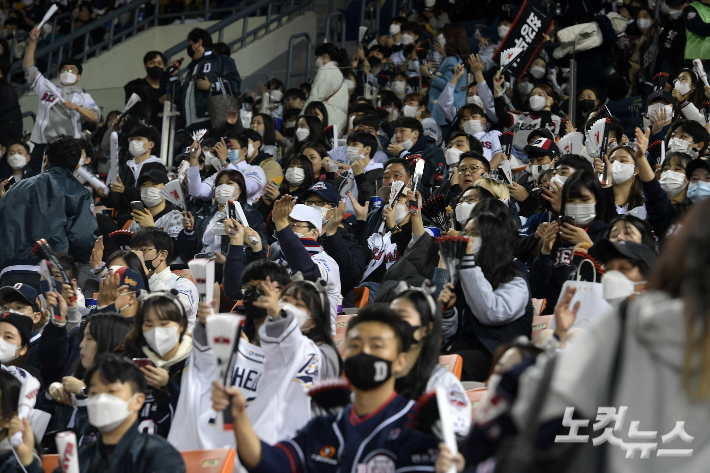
(486, 95)
(541, 276)
(505, 119)
(446, 102)
(231, 74)
(365, 189)
(81, 230)
(608, 33)
(33, 76)
(197, 187)
(53, 351)
(350, 259)
(693, 22)
(492, 307)
(609, 204)
(444, 74)
(449, 323)
(296, 255)
(282, 457)
(659, 208)
(187, 244)
(232, 274)
(691, 112)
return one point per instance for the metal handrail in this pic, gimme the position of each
(343, 22)
(376, 27)
(307, 72)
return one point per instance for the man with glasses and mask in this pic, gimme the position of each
(56, 115)
(396, 169)
(298, 228)
(155, 248)
(371, 434)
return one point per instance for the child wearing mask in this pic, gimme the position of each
(16, 162)
(24, 299)
(298, 177)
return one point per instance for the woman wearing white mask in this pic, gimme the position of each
(628, 192)
(415, 107)
(15, 162)
(203, 233)
(329, 84)
(627, 268)
(273, 91)
(689, 92)
(157, 211)
(15, 333)
(160, 334)
(264, 125)
(642, 59)
(399, 86)
(580, 223)
(492, 305)
(456, 48)
(488, 46)
(309, 128)
(320, 161)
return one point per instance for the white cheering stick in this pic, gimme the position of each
(216, 163)
(68, 451)
(447, 428)
(94, 181)
(28, 397)
(182, 170)
(134, 99)
(202, 270)
(113, 170)
(395, 191)
(47, 16)
(241, 218)
(223, 333)
(700, 70)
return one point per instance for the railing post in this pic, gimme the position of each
(377, 21)
(207, 11)
(289, 64)
(362, 12)
(157, 11)
(268, 19)
(244, 31)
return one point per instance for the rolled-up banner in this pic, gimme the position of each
(68, 452)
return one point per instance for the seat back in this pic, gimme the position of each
(453, 363)
(218, 460)
(476, 397)
(339, 340)
(538, 306)
(341, 323)
(539, 324)
(362, 294)
(127, 224)
(50, 463)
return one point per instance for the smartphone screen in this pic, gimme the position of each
(138, 205)
(142, 362)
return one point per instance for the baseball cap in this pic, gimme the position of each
(27, 292)
(304, 213)
(542, 146)
(638, 253)
(23, 324)
(541, 133)
(696, 163)
(325, 191)
(155, 175)
(660, 94)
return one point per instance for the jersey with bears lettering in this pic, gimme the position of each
(490, 143)
(348, 443)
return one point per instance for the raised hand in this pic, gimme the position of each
(332, 227)
(360, 210)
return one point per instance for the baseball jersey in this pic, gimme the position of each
(490, 142)
(347, 443)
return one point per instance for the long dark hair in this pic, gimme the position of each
(165, 308)
(635, 198)
(269, 137)
(316, 128)
(237, 177)
(10, 388)
(340, 56)
(456, 40)
(642, 226)
(697, 95)
(414, 384)
(682, 272)
(313, 106)
(317, 302)
(308, 180)
(109, 330)
(132, 261)
(573, 190)
(499, 233)
(320, 149)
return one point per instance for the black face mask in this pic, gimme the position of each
(586, 105)
(374, 60)
(155, 72)
(253, 312)
(149, 264)
(367, 372)
(190, 52)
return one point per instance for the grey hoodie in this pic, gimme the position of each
(649, 383)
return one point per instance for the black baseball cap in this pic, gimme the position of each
(155, 175)
(542, 147)
(541, 133)
(696, 163)
(660, 94)
(25, 291)
(23, 323)
(640, 254)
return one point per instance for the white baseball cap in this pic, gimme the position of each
(304, 213)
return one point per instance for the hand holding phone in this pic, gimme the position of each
(142, 362)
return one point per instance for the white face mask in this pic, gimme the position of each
(406, 144)
(453, 156)
(208, 156)
(302, 134)
(400, 212)
(537, 102)
(319, 63)
(672, 182)
(441, 40)
(682, 87)
(301, 315)
(559, 180)
(674, 14)
(407, 39)
(323, 211)
(289, 124)
(350, 84)
(394, 29)
(151, 196)
(410, 110)
(17, 161)
(224, 193)
(295, 176)
(352, 153)
(644, 23)
(67, 78)
(162, 339)
(107, 412)
(503, 31)
(136, 148)
(394, 114)
(656, 109)
(616, 287)
(250, 150)
(473, 127)
(537, 72)
(399, 88)
(463, 212)
(536, 170)
(582, 213)
(477, 243)
(276, 95)
(474, 100)
(8, 351)
(683, 146)
(621, 172)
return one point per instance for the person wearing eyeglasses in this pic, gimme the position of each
(471, 168)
